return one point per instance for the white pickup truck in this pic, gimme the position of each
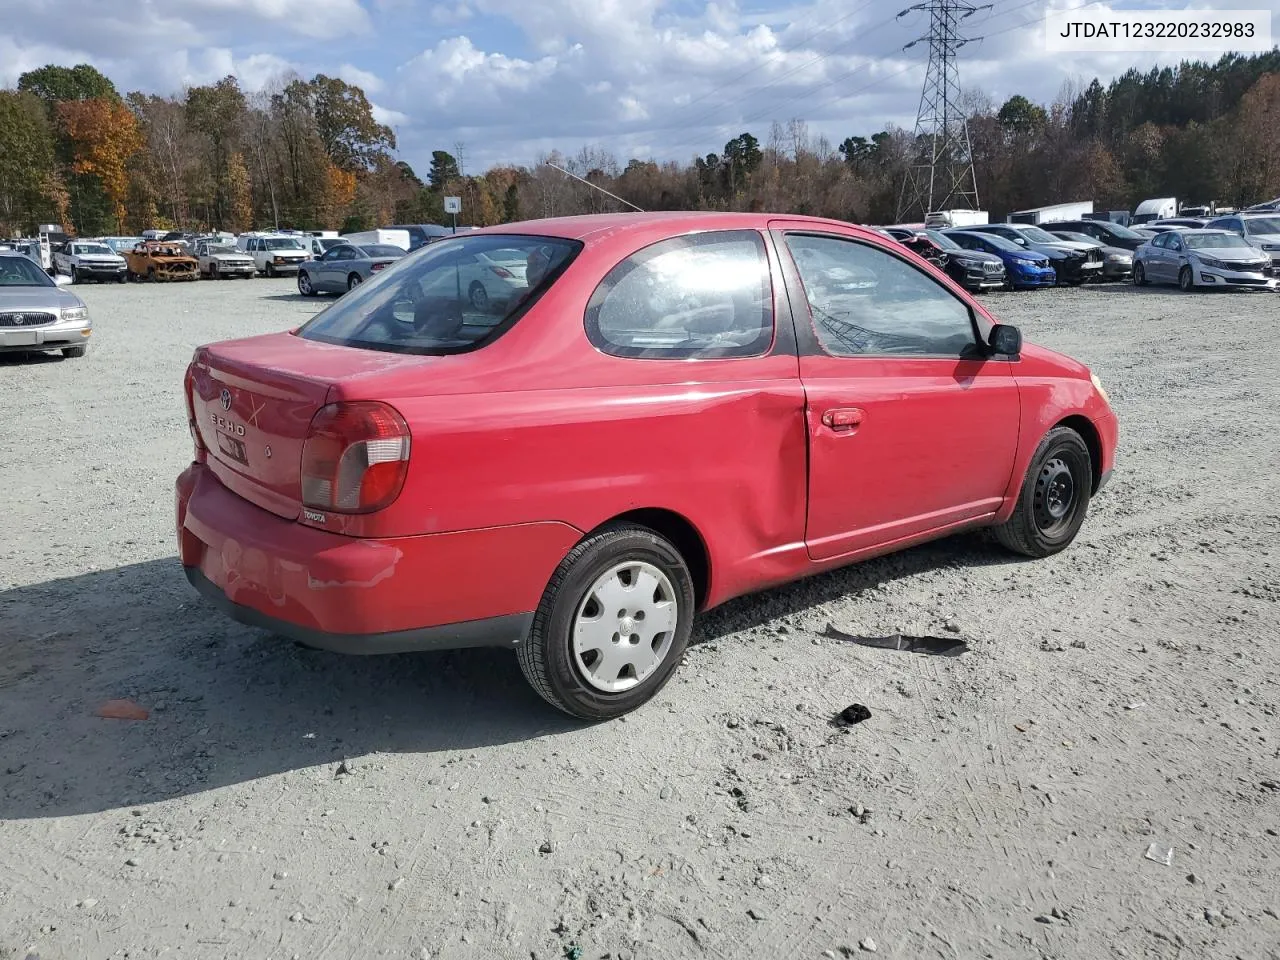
(88, 260)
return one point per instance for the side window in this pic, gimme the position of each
(705, 295)
(1175, 241)
(866, 302)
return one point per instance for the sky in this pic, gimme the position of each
(510, 80)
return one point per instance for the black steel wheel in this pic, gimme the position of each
(1054, 498)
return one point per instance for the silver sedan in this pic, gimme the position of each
(1202, 258)
(36, 313)
(345, 266)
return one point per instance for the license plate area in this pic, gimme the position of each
(20, 338)
(233, 448)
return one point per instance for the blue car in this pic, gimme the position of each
(1027, 269)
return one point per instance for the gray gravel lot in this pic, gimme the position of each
(999, 805)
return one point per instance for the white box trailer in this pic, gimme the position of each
(1053, 213)
(395, 238)
(955, 218)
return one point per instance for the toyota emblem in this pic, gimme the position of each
(225, 398)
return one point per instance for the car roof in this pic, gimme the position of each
(1200, 231)
(584, 227)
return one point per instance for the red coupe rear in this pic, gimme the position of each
(647, 415)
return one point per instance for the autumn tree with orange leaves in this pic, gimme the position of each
(104, 136)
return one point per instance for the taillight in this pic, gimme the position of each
(502, 272)
(188, 392)
(355, 457)
(376, 267)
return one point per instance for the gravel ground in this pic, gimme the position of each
(999, 804)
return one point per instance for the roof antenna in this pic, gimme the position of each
(593, 186)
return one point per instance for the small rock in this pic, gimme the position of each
(951, 626)
(1135, 705)
(88, 904)
(344, 770)
(546, 847)
(664, 793)
(305, 736)
(755, 914)
(1215, 917)
(1193, 878)
(867, 944)
(734, 723)
(1058, 914)
(279, 875)
(1044, 918)
(295, 918)
(831, 954)
(131, 862)
(764, 880)
(475, 823)
(396, 884)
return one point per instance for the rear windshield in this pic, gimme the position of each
(445, 298)
(382, 250)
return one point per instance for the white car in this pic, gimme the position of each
(276, 255)
(89, 260)
(1202, 258)
(223, 260)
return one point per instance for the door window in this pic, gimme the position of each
(865, 302)
(704, 295)
(344, 253)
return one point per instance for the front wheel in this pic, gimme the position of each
(612, 626)
(270, 270)
(1139, 274)
(75, 275)
(1054, 497)
(1186, 280)
(304, 284)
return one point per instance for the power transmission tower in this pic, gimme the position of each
(941, 176)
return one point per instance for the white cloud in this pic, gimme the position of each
(368, 82)
(390, 118)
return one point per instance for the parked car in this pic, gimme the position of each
(1117, 262)
(274, 255)
(1105, 232)
(420, 234)
(1025, 268)
(1073, 263)
(83, 260)
(344, 267)
(1202, 258)
(219, 260)
(161, 260)
(400, 474)
(1191, 223)
(319, 246)
(1259, 230)
(975, 270)
(36, 313)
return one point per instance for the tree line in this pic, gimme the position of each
(310, 154)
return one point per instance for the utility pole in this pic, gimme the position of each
(941, 175)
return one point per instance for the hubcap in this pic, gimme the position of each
(1055, 496)
(479, 298)
(304, 283)
(624, 626)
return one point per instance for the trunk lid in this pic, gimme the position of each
(254, 400)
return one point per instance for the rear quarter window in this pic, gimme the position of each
(706, 295)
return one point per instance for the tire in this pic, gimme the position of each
(576, 681)
(1186, 280)
(354, 281)
(151, 274)
(1139, 274)
(75, 351)
(270, 270)
(304, 284)
(75, 275)
(1042, 524)
(213, 271)
(122, 278)
(478, 296)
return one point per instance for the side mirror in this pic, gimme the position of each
(61, 280)
(1021, 242)
(1005, 339)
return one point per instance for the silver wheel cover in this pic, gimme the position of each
(624, 626)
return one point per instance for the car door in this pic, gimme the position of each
(1153, 262)
(912, 426)
(337, 264)
(1175, 256)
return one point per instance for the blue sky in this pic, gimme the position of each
(513, 79)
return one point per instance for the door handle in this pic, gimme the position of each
(842, 418)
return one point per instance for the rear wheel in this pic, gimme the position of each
(1139, 274)
(612, 625)
(354, 281)
(304, 284)
(151, 274)
(121, 278)
(478, 296)
(1054, 497)
(1186, 280)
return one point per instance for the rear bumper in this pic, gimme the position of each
(506, 631)
(436, 591)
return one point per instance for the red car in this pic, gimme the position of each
(664, 412)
